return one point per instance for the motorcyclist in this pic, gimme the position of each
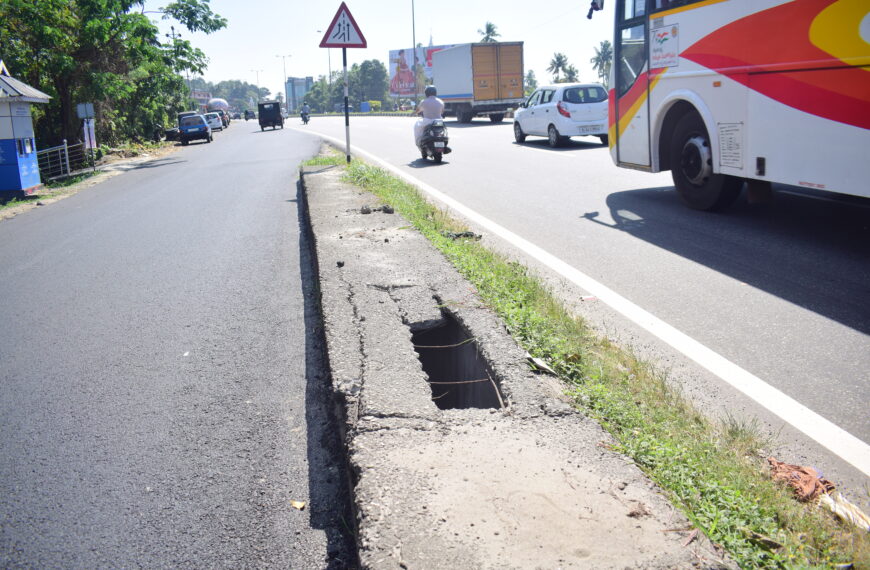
(304, 111)
(429, 109)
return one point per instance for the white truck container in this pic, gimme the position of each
(482, 79)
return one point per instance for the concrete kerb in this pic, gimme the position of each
(530, 484)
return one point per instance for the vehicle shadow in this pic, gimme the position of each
(426, 163)
(812, 252)
(568, 146)
(330, 504)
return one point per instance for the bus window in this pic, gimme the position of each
(631, 57)
(634, 8)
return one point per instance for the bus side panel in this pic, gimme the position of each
(803, 149)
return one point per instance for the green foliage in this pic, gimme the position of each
(367, 81)
(710, 470)
(489, 33)
(376, 106)
(558, 65)
(103, 52)
(531, 83)
(602, 60)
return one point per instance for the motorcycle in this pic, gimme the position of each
(434, 141)
(304, 118)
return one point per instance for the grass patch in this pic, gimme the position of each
(70, 180)
(713, 470)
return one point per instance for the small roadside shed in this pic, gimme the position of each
(19, 168)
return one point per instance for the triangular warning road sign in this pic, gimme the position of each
(343, 31)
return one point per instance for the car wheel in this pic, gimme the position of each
(604, 139)
(692, 168)
(184, 142)
(262, 128)
(553, 137)
(519, 135)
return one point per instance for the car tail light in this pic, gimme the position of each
(563, 110)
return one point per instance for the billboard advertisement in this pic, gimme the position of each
(408, 78)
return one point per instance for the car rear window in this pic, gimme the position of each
(584, 95)
(190, 121)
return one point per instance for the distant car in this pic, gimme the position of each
(237, 115)
(214, 121)
(250, 114)
(192, 127)
(339, 107)
(561, 111)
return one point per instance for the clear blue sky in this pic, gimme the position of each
(260, 30)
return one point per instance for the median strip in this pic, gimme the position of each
(714, 471)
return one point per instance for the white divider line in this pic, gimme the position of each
(834, 438)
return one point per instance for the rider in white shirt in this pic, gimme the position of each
(429, 109)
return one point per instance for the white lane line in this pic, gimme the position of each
(834, 438)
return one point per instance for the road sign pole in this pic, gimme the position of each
(346, 111)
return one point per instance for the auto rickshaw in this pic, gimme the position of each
(269, 113)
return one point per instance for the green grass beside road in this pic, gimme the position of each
(714, 470)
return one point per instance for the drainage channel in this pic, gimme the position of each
(458, 375)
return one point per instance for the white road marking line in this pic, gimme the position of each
(832, 437)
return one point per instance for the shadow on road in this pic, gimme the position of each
(571, 145)
(814, 253)
(426, 163)
(328, 473)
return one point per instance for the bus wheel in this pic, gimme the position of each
(692, 168)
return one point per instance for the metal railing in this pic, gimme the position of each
(62, 160)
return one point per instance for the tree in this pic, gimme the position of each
(602, 60)
(106, 53)
(531, 82)
(557, 66)
(489, 33)
(571, 75)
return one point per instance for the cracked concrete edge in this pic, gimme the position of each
(381, 281)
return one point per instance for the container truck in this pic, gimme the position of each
(481, 79)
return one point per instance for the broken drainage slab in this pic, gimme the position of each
(456, 371)
(462, 481)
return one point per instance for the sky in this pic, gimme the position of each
(260, 31)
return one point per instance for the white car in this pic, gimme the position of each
(561, 111)
(214, 121)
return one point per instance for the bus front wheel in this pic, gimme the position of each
(692, 168)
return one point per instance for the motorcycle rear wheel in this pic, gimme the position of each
(438, 156)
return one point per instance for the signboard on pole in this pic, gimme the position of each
(344, 33)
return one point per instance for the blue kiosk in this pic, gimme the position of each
(19, 170)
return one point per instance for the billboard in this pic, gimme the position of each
(406, 78)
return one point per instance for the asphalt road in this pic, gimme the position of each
(780, 290)
(163, 398)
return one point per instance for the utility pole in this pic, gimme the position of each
(328, 61)
(286, 93)
(414, 60)
(257, 71)
(174, 36)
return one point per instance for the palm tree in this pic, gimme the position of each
(531, 82)
(571, 75)
(557, 65)
(489, 33)
(601, 61)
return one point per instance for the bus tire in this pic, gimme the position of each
(496, 117)
(692, 168)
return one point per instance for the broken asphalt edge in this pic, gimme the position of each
(531, 484)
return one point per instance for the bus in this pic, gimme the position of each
(730, 92)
